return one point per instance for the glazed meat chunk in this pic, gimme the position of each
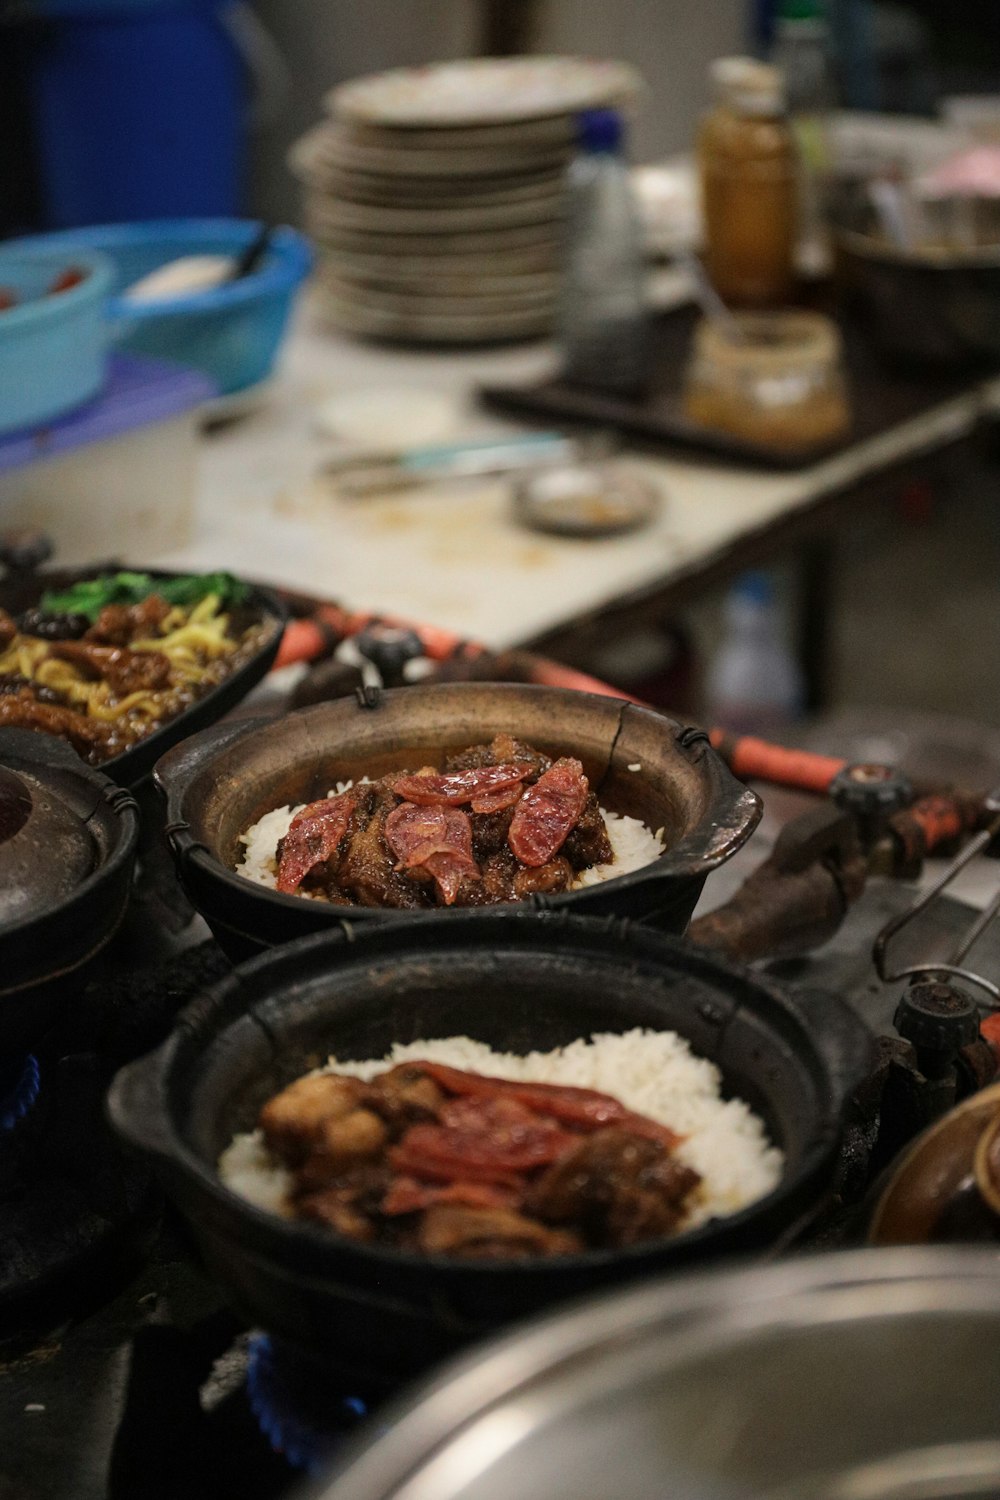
(621, 1187)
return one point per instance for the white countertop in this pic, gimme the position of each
(453, 556)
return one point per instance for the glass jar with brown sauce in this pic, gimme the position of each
(748, 170)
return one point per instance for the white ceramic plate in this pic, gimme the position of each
(534, 237)
(502, 264)
(484, 91)
(432, 193)
(387, 219)
(558, 131)
(433, 277)
(386, 418)
(427, 300)
(328, 147)
(430, 327)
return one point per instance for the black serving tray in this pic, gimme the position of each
(881, 396)
(20, 591)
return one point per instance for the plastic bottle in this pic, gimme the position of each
(748, 170)
(753, 684)
(803, 50)
(603, 324)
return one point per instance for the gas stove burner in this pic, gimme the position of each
(294, 1407)
(19, 1087)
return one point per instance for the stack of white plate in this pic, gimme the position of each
(435, 195)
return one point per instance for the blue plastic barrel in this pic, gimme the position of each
(139, 111)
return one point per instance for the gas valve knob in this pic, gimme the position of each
(389, 649)
(870, 794)
(938, 1020)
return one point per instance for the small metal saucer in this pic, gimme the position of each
(586, 500)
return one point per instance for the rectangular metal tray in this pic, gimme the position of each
(881, 396)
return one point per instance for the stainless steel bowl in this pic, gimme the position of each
(840, 1377)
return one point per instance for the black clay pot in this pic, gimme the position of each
(516, 980)
(68, 839)
(640, 763)
(133, 766)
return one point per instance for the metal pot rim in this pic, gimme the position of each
(422, 1423)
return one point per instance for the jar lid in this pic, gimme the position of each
(748, 86)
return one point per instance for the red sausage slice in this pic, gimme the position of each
(439, 789)
(548, 812)
(586, 1109)
(315, 833)
(436, 839)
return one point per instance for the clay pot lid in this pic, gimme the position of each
(52, 807)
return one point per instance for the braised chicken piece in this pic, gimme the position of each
(367, 871)
(340, 1144)
(121, 624)
(620, 1187)
(293, 1120)
(429, 1157)
(405, 1096)
(556, 875)
(490, 1234)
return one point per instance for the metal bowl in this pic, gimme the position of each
(867, 1376)
(925, 306)
(221, 782)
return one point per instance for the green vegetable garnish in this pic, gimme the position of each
(89, 597)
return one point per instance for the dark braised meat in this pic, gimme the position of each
(587, 843)
(23, 710)
(500, 823)
(367, 871)
(438, 1159)
(618, 1186)
(502, 750)
(490, 1234)
(121, 624)
(125, 671)
(8, 629)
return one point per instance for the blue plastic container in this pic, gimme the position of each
(53, 349)
(139, 111)
(231, 333)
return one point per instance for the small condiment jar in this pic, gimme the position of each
(779, 384)
(748, 171)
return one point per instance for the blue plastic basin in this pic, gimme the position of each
(231, 333)
(52, 348)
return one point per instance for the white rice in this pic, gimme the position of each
(634, 844)
(654, 1073)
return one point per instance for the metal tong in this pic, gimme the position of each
(952, 966)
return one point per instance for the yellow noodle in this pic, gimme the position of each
(192, 640)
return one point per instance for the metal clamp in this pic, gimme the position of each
(952, 965)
